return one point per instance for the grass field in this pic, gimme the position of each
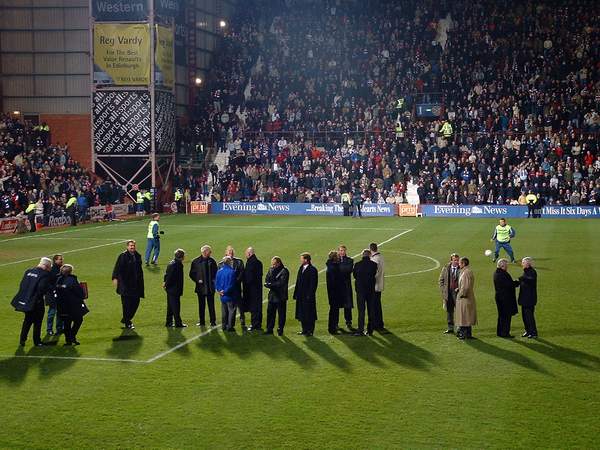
(414, 388)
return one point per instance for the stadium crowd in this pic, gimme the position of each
(32, 171)
(318, 99)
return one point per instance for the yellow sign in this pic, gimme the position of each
(165, 69)
(122, 54)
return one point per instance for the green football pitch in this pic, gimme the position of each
(413, 388)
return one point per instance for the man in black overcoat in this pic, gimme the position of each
(506, 298)
(173, 285)
(128, 279)
(364, 275)
(203, 271)
(30, 300)
(252, 284)
(277, 282)
(528, 297)
(305, 294)
(346, 267)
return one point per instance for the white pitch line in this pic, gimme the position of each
(204, 333)
(274, 227)
(84, 358)
(64, 253)
(437, 265)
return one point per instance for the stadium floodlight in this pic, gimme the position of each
(198, 81)
(222, 24)
(17, 113)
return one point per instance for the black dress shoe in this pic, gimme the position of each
(532, 336)
(22, 343)
(334, 332)
(526, 334)
(212, 324)
(41, 344)
(202, 324)
(506, 336)
(279, 332)
(358, 333)
(461, 336)
(449, 331)
(300, 333)
(168, 325)
(181, 325)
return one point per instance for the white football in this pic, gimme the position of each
(488, 252)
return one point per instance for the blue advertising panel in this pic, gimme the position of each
(509, 211)
(303, 209)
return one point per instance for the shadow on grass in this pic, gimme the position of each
(14, 370)
(325, 352)
(389, 347)
(126, 345)
(507, 355)
(563, 354)
(244, 345)
(176, 337)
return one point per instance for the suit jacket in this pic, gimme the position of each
(346, 267)
(335, 285)
(364, 275)
(174, 278)
(203, 272)
(34, 285)
(506, 298)
(51, 294)
(444, 281)
(129, 275)
(528, 288)
(252, 282)
(277, 283)
(305, 293)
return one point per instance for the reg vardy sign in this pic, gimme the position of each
(301, 209)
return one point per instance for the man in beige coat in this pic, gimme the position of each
(465, 314)
(376, 257)
(448, 285)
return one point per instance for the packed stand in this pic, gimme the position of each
(33, 172)
(329, 103)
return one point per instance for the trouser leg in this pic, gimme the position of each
(38, 318)
(133, 307)
(348, 316)
(75, 328)
(231, 308)
(201, 309)
(68, 330)
(125, 308)
(282, 313)
(169, 319)
(27, 322)
(149, 245)
(156, 250)
(377, 312)
(450, 311)
(50, 319)
(334, 318)
(360, 305)
(271, 311)
(370, 301)
(224, 316)
(212, 315)
(175, 307)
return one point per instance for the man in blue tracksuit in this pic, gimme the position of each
(226, 286)
(153, 240)
(503, 233)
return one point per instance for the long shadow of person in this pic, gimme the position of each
(507, 355)
(563, 354)
(404, 353)
(213, 342)
(126, 345)
(14, 370)
(366, 349)
(325, 352)
(175, 337)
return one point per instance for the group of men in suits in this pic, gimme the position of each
(457, 283)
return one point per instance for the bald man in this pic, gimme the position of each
(252, 284)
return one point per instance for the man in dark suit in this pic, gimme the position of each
(173, 285)
(30, 300)
(277, 282)
(528, 297)
(448, 281)
(506, 298)
(305, 294)
(346, 267)
(203, 271)
(128, 279)
(364, 276)
(238, 300)
(252, 283)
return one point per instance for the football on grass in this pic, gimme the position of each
(488, 252)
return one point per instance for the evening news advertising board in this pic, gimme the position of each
(303, 209)
(509, 211)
